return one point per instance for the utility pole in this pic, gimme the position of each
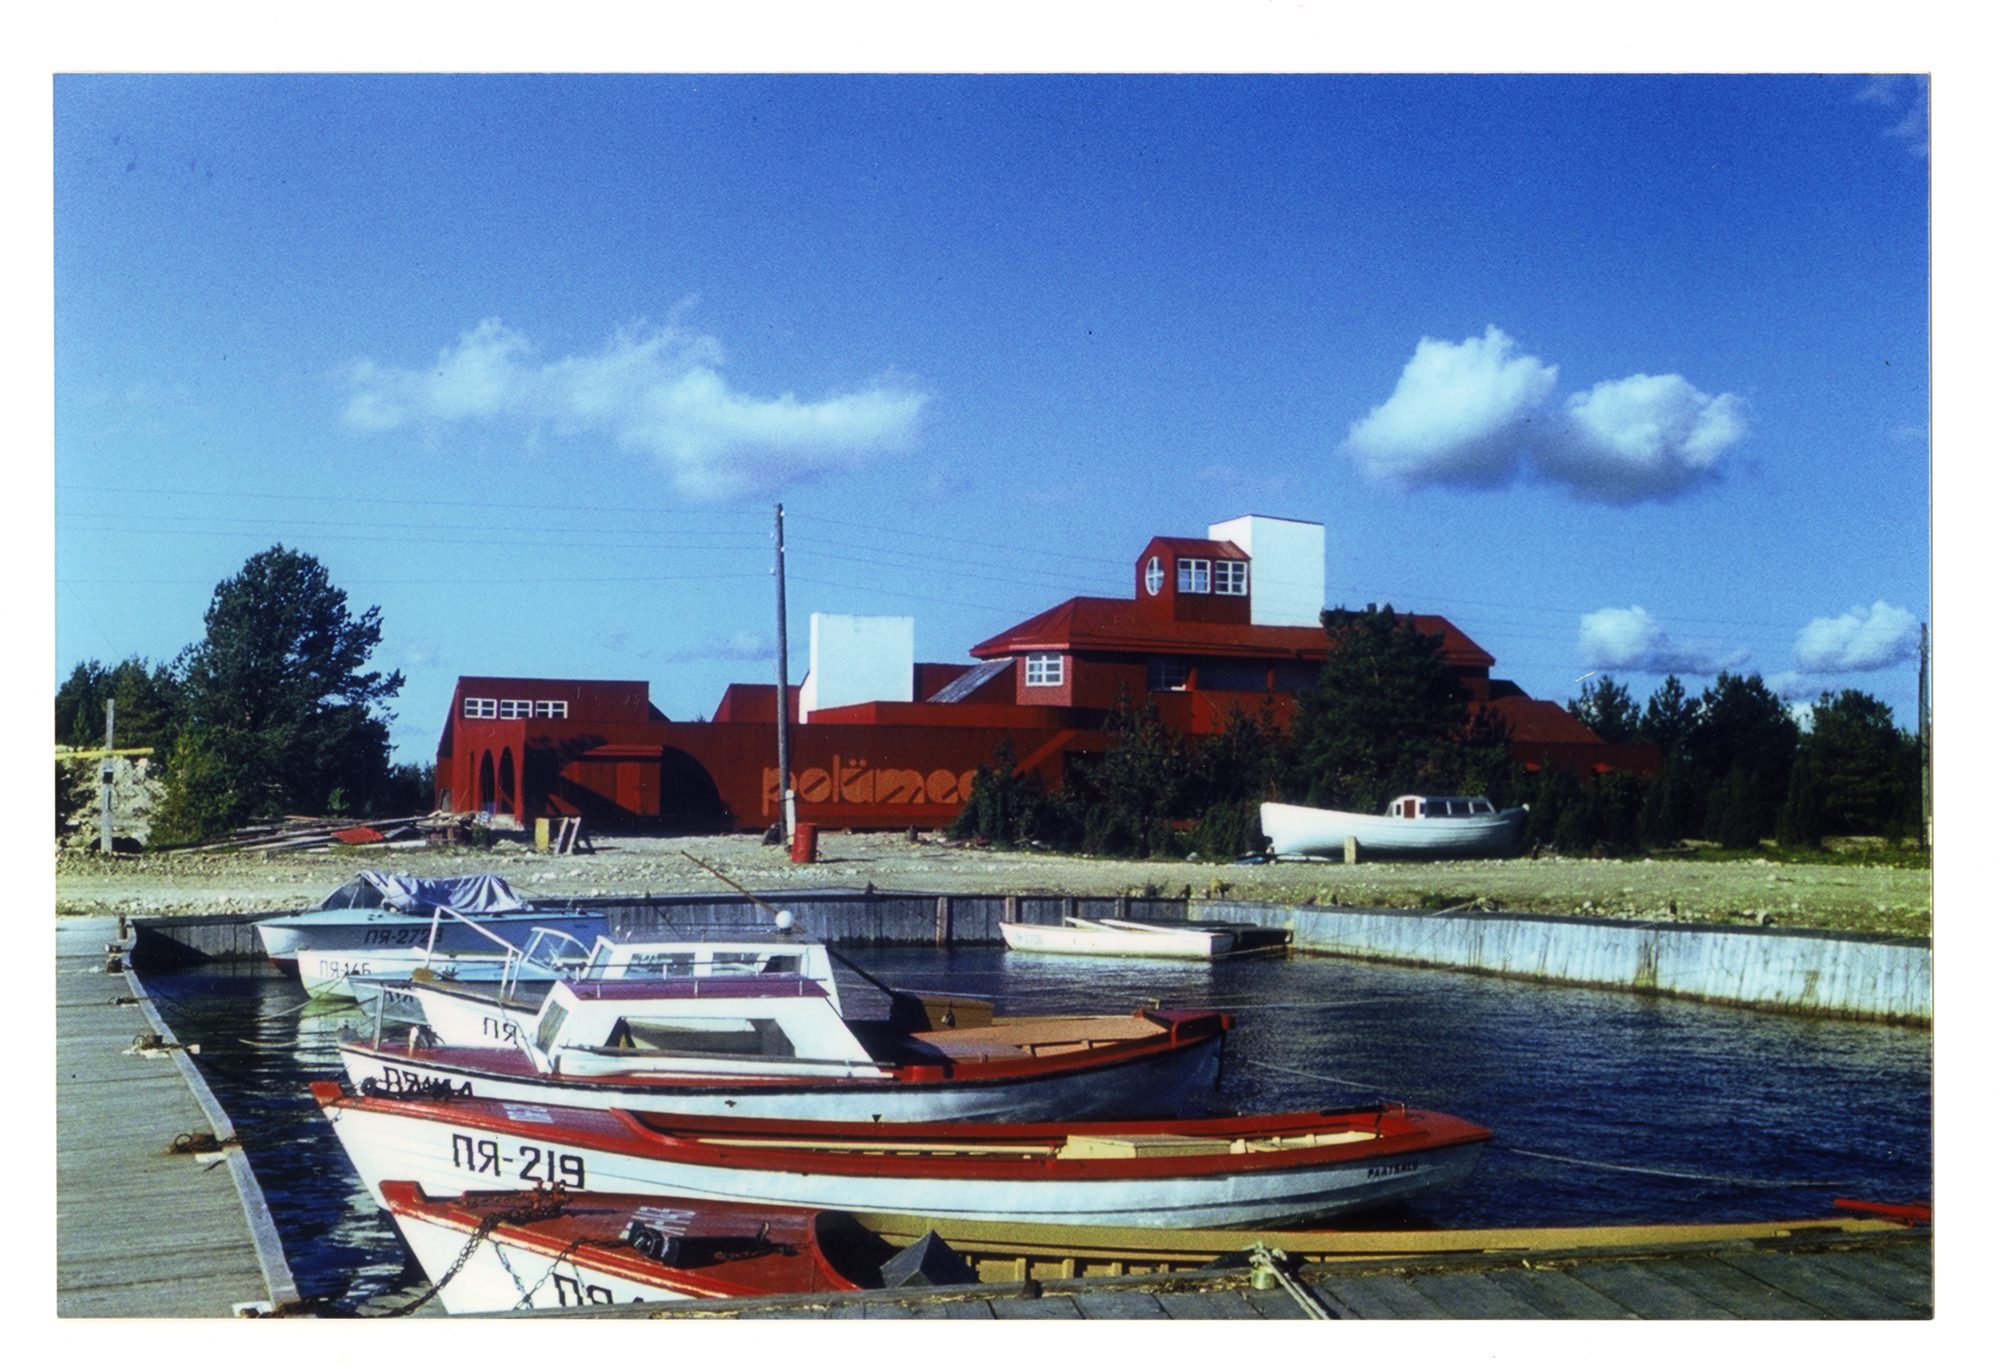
(786, 808)
(108, 775)
(1924, 730)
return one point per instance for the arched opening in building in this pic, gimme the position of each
(507, 780)
(486, 781)
(689, 800)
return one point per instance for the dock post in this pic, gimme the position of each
(1351, 850)
(944, 920)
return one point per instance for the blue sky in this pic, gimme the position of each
(1618, 374)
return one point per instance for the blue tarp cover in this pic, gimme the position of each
(409, 894)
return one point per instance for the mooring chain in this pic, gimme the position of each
(542, 1203)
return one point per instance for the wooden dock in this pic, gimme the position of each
(144, 1230)
(1805, 1277)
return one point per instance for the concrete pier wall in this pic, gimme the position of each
(1831, 974)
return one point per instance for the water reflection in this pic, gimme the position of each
(1605, 1107)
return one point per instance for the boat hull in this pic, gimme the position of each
(1084, 937)
(570, 1250)
(1325, 832)
(961, 1175)
(1150, 1082)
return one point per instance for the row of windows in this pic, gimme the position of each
(1173, 672)
(517, 708)
(1227, 577)
(1196, 576)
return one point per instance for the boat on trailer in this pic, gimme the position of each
(1275, 1171)
(773, 1042)
(1120, 937)
(1414, 827)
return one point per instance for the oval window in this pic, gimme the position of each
(1155, 577)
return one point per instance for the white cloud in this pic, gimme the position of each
(1860, 639)
(1914, 128)
(1459, 415)
(1643, 437)
(1632, 639)
(659, 393)
(1468, 413)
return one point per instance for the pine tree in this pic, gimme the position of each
(278, 713)
(1387, 712)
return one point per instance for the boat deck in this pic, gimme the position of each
(142, 1231)
(1808, 1277)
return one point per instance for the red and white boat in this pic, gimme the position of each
(1229, 1172)
(771, 1042)
(502, 1250)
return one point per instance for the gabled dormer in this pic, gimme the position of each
(1193, 580)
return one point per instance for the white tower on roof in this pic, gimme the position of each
(1287, 567)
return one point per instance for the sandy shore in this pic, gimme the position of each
(1840, 897)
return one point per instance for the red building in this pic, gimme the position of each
(1227, 620)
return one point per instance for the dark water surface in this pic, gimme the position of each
(1605, 1107)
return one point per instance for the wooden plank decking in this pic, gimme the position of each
(1870, 1277)
(140, 1231)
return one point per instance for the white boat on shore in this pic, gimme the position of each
(1114, 936)
(1415, 827)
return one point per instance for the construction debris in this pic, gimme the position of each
(308, 833)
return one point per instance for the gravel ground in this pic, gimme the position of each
(1860, 898)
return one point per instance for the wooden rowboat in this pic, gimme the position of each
(1289, 1169)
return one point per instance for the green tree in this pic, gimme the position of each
(1799, 820)
(1740, 751)
(1606, 708)
(1672, 807)
(1234, 770)
(1669, 718)
(146, 698)
(1138, 786)
(1868, 770)
(1387, 715)
(1005, 808)
(278, 710)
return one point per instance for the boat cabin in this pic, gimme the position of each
(694, 1009)
(1446, 806)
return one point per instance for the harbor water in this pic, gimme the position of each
(1605, 1107)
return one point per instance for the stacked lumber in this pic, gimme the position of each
(309, 833)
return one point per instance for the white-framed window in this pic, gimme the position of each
(1045, 668)
(517, 708)
(552, 708)
(1166, 672)
(1155, 577)
(1191, 577)
(482, 708)
(1232, 577)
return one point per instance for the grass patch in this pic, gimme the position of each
(1850, 852)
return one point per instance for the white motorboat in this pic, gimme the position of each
(757, 1030)
(379, 925)
(1415, 826)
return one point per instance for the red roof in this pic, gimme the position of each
(1123, 625)
(1539, 722)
